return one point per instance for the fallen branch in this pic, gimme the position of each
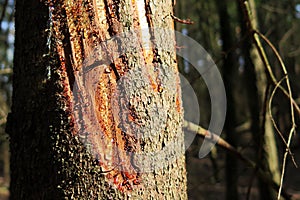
(204, 133)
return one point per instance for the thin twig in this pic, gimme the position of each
(287, 144)
(274, 123)
(204, 133)
(183, 21)
(256, 35)
(292, 130)
(287, 93)
(268, 67)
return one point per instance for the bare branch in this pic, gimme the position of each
(204, 133)
(183, 21)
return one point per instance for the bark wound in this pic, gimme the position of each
(107, 117)
(112, 143)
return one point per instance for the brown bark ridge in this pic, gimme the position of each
(95, 115)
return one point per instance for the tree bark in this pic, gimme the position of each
(96, 115)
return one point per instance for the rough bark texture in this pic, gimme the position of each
(67, 143)
(28, 122)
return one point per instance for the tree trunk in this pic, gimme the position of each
(229, 77)
(262, 130)
(96, 114)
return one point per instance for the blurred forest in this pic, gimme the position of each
(6, 65)
(243, 40)
(260, 118)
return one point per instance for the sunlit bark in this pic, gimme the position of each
(67, 144)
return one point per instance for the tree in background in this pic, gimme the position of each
(230, 70)
(279, 21)
(6, 54)
(258, 93)
(250, 105)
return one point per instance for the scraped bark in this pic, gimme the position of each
(96, 115)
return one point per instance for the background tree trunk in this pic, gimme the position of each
(55, 60)
(229, 75)
(261, 126)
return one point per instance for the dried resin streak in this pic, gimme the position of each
(91, 85)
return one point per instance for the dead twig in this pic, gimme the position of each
(274, 122)
(204, 133)
(183, 21)
(256, 36)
